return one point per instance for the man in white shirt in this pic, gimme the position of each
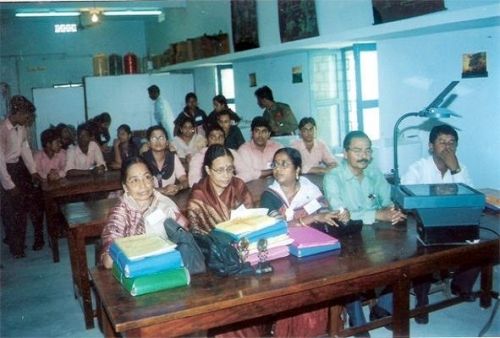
(162, 111)
(442, 166)
(19, 178)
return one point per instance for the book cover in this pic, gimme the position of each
(152, 283)
(309, 241)
(140, 246)
(149, 265)
(272, 254)
(239, 226)
(273, 230)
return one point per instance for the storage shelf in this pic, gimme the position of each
(443, 21)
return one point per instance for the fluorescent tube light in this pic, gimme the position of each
(45, 14)
(136, 12)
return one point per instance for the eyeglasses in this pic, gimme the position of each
(282, 165)
(136, 180)
(227, 170)
(359, 151)
(158, 138)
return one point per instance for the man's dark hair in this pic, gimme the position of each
(19, 103)
(305, 121)
(264, 93)
(153, 88)
(153, 128)
(259, 121)
(442, 129)
(354, 134)
(84, 127)
(190, 95)
(213, 128)
(48, 136)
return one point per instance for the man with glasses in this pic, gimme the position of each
(441, 167)
(359, 187)
(257, 154)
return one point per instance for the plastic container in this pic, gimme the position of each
(130, 63)
(115, 64)
(100, 63)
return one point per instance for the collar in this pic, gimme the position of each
(9, 124)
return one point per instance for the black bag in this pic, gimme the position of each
(220, 256)
(352, 227)
(191, 254)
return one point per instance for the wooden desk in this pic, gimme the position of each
(381, 255)
(72, 188)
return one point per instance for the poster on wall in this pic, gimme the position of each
(474, 65)
(244, 23)
(297, 19)
(392, 10)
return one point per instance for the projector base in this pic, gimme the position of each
(448, 235)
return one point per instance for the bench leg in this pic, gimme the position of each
(336, 321)
(84, 282)
(486, 286)
(51, 210)
(401, 317)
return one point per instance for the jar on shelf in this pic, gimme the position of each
(100, 64)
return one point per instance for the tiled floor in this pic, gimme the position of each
(37, 301)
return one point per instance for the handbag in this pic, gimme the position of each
(221, 256)
(193, 258)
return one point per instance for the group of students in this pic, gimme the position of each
(353, 189)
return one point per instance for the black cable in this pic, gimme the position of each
(490, 320)
(493, 231)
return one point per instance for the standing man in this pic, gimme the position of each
(361, 189)
(279, 115)
(162, 111)
(19, 178)
(258, 153)
(442, 166)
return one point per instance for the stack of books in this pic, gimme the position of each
(147, 263)
(308, 241)
(253, 229)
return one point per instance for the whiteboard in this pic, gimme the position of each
(126, 99)
(56, 105)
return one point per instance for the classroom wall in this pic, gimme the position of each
(37, 57)
(413, 71)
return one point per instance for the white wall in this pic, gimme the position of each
(412, 71)
(275, 72)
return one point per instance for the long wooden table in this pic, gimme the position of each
(73, 188)
(381, 255)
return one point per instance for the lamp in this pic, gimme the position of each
(432, 111)
(94, 17)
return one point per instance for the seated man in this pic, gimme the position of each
(84, 158)
(316, 157)
(51, 161)
(258, 153)
(361, 189)
(215, 135)
(442, 166)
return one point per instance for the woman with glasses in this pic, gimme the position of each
(140, 210)
(168, 172)
(218, 192)
(300, 203)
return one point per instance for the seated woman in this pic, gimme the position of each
(170, 176)
(300, 203)
(67, 135)
(84, 158)
(220, 103)
(316, 157)
(123, 146)
(234, 137)
(101, 124)
(131, 216)
(187, 142)
(218, 192)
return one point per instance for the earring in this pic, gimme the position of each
(296, 175)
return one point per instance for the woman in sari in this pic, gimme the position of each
(218, 192)
(300, 203)
(132, 215)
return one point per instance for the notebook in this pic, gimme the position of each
(309, 241)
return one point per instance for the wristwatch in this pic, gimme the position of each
(456, 171)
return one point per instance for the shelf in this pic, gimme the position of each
(483, 16)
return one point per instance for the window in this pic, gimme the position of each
(344, 91)
(225, 84)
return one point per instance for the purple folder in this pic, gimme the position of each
(309, 241)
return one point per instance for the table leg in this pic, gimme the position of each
(51, 210)
(106, 324)
(84, 282)
(336, 322)
(486, 286)
(401, 316)
(73, 253)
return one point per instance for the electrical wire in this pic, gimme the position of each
(490, 321)
(493, 231)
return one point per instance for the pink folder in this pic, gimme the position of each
(306, 237)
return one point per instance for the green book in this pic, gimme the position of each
(152, 283)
